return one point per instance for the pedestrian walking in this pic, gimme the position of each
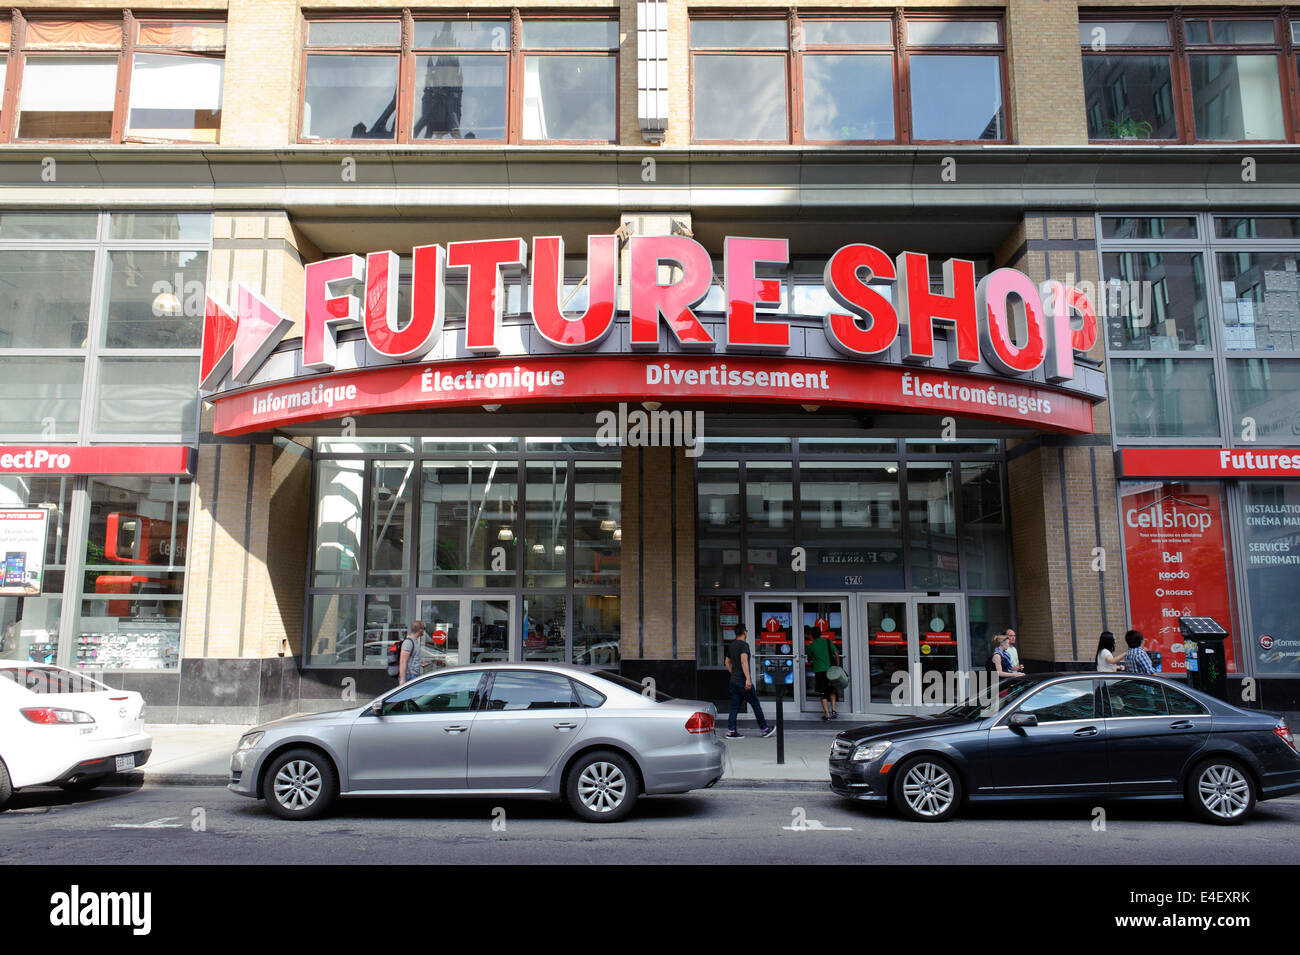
(742, 685)
(1013, 653)
(1107, 661)
(822, 654)
(1000, 661)
(1137, 660)
(411, 653)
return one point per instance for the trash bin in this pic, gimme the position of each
(1207, 665)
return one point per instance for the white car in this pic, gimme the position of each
(63, 728)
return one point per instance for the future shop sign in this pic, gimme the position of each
(351, 290)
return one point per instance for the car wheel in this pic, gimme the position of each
(82, 785)
(6, 788)
(300, 784)
(926, 789)
(602, 787)
(1221, 791)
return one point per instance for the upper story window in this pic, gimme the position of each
(840, 79)
(498, 79)
(120, 79)
(1193, 79)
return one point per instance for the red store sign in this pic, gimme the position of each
(1000, 322)
(101, 459)
(1239, 463)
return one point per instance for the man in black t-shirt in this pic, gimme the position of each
(742, 685)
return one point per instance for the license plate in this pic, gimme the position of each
(125, 762)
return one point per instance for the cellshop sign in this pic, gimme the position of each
(1005, 353)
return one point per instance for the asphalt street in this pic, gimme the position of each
(781, 823)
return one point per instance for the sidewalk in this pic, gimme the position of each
(200, 755)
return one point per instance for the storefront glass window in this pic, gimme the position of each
(545, 627)
(597, 514)
(45, 298)
(135, 574)
(769, 521)
(385, 625)
(850, 524)
(546, 524)
(596, 629)
(47, 225)
(147, 395)
(1267, 390)
(987, 617)
(932, 526)
(1162, 303)
(40, 397)
(468, 523)
(164, 313)
(390, 522)
(718, 517)
(715, 625)
(338, 523)
(334, 629)
(29, 624)
(1260, 292)
(1270, 529)
(986, 538)
(1163, 398)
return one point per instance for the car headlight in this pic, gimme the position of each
(249, 741)
(869, 751)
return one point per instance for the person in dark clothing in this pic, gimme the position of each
(1137, 660)
(742, 685)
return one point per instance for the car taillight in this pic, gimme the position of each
(1283, 732)
(53, 715)
(700, 722)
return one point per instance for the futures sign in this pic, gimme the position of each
(882, 353)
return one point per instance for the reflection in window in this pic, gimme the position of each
(546, 524)
(37, 392)
(350, 97)
(1261, 299)
(147, 396)
(932, 526)
(155, 299)
(1267, 390)
(758, 115)
(985, 546)
(468, 523)
(596, 629)
(463, 97)
(1159, 301)
(850, 523)
(45, 298)
(956, 97)
(390, 522)
(1164, 398)
(338, 523)
(848, 97)
(29, 625)
(597, 516)
(569, 98)
(1129, 97)
(1236, 97)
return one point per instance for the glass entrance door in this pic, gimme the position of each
(460, 630)
(917, 651)
(781, 631)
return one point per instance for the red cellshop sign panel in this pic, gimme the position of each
(1178, 565)
(1002, 319)
(1210, 463)
(688, 378)
(104, 459)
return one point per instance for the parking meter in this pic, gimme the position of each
(778, 672)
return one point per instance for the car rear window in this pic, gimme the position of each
(41, 679)
(632, 685)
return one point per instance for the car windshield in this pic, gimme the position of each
(992, 699)
(643, 689)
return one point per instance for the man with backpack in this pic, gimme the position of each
(822, 654)
(406, 656)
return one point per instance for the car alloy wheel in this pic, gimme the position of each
(1224, 791)
(602, 787)
(926, 789)
(297, 785)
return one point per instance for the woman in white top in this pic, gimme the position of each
(1107, 662)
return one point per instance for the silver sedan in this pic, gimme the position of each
(538, 730)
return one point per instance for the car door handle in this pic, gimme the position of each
(566, 726)
(1086, 731)
(457, 728)
(1182, 725)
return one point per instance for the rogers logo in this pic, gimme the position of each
(35, 459)
(1265, 642)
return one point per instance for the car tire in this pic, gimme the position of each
(602, 786)
(1221, 791)
(6, 787)
(300, 784)
(926, 789)
(83, 785)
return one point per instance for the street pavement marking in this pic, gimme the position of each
(813, 825)
(163, 823)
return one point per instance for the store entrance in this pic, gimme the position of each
(780, 630)
(917, 651)
(459, 630)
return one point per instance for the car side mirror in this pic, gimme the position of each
(1022, 719)
(376, 708)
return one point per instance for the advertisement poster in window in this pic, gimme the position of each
(22, 547)
(1271, 531)
(1175, 548)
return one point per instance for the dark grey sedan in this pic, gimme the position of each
(1073, 736)
(501, 729)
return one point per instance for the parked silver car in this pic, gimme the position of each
(494, 729)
